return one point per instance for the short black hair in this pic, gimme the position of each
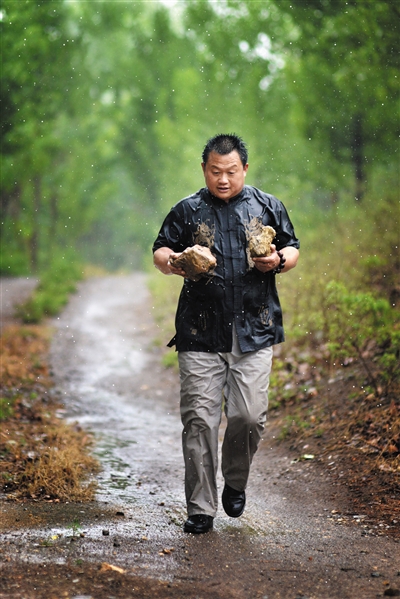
(225, 144)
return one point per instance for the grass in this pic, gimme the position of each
(351, 245)
(40, 455)
(165, 294)
(52, 293)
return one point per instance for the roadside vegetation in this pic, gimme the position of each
(107, 107)
(52, 293)
(41, 457)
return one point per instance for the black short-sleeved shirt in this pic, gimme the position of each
(236, 292)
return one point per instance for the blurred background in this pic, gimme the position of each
(106, 107)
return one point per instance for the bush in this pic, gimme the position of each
(361, 326)
(52, 293)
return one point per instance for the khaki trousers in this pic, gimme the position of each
(208, 379)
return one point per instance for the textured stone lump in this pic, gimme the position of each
(197, 261)
(260, 243)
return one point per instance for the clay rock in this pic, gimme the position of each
(197, 261)
(260, 243)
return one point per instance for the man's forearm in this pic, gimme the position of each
(161, 258)
(292, 255)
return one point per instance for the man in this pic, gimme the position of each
(226, 325)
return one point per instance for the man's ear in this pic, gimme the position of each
(246, 168)
(203, 166)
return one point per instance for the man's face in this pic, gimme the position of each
(224, 174)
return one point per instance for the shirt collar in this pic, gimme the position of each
(240, 196)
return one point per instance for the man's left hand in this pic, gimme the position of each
(268, 263)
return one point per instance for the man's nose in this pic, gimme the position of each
(223, 177)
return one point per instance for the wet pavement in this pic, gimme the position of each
(296, 539)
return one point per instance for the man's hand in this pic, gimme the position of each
(173, 269)
(269, 263)
(161, 261)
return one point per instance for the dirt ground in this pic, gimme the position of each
(300, 537)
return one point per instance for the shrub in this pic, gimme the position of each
(56, 284)
(361, 326)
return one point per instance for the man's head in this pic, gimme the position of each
(225, 165)
(225, 144)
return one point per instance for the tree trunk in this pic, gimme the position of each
(53, 221)
(358, 157)
(6, 200)
(34, 238)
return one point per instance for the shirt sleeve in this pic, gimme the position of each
(172, 230)
(285, 235)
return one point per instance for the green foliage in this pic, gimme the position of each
(106, 108)
(356, 321)
(294, 423)
(353, 319)
(37, 76)
(170, 359)
(389, 360)
(75, 528)
(6, 408)
(341, 303)
(165, 293)
(281, 388)
(339, 54)
(52, 293)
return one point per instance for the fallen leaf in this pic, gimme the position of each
(107, 567)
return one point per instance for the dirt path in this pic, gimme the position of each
(296, 540)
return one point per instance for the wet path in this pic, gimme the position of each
(292, 542)
(111, 385)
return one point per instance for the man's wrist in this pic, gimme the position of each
(281, 264)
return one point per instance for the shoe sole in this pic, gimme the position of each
(234, 515)
(196, 531)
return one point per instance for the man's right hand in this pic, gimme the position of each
(161, 260)
(173, 269)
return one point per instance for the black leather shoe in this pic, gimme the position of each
(233, 501)
(198, 524)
